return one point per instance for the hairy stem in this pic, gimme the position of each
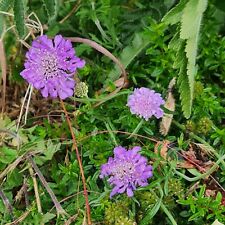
(88, 211)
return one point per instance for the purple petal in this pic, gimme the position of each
(50, 66)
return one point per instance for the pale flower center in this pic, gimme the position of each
(49, 65)
(123, 169)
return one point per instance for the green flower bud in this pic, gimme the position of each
(116, 211)
(198, 89)
(190, 126)
(204, 125)
(81, 90)
(175, 187)
(124, 221)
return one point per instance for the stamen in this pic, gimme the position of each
(49, 66)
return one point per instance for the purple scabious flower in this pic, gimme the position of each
(50, 66)
(127, 170)
(145, 103)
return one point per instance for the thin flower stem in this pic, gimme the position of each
(104, 51)
(76, 6)
(88, 211)
(21, 110)
(104, 99)
(28, 103)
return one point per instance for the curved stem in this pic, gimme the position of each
(210, 171)
(71, 12)
(104, 99)
(88, 211)
(104, 51)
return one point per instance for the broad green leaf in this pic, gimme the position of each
(175, 14)
(190, 29)
(7, 155)
(180, 63)
(183, 82)
(191, 18)
(139, 43)
(50, 6)
(19, 17)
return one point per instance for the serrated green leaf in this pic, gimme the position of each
(191, 18)
(175, 42)
(5, 5)
(185, 94)
(50, 6)
(175, 14)
(19, 17)
(183, 82)
(139, 43)
(190, 29)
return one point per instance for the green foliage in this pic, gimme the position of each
(151, 54)
(118, 213)
(190, 16)
(151, 204)
(190, 29)
(50, 6)
(4, 6)
(175, 14)
(205, 207)
(139, 43)
(19, 9)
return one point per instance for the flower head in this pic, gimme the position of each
(127, 170)
(50, 66)
(145, 103)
